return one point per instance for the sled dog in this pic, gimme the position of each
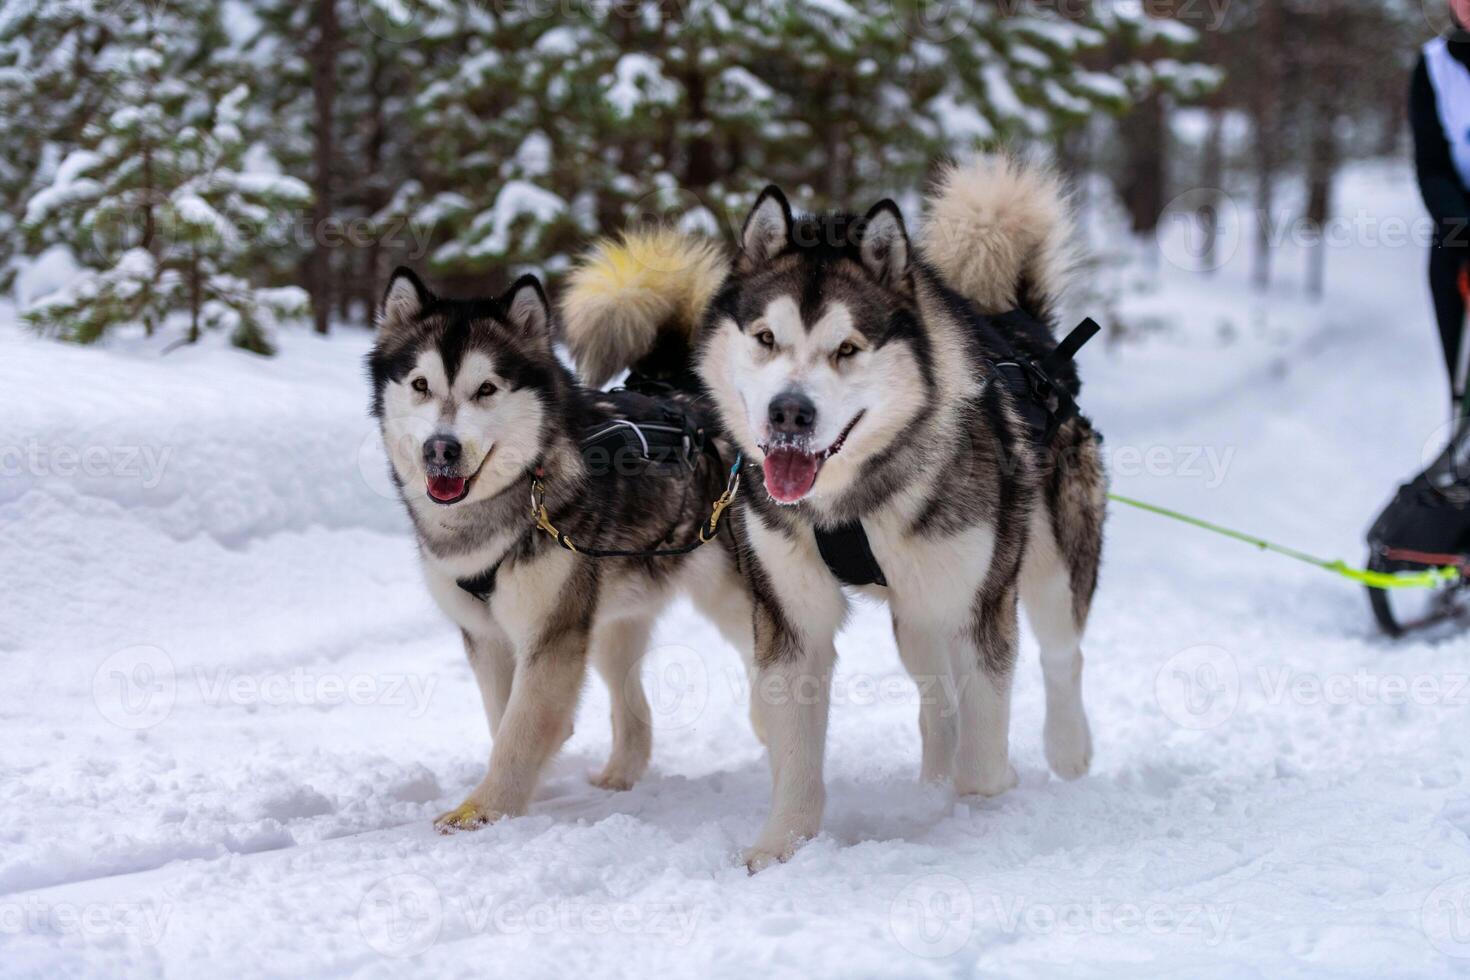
(478, 416)
(859, 373)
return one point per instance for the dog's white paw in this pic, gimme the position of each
(992, 785)
(760, 857)
(935, 773)
(469, 815)
(777, 845)
(1068, 745)
(618, 775)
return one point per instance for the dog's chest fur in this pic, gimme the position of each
(930, 578)
(444, 573)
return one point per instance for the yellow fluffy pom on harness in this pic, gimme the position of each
(624, 293)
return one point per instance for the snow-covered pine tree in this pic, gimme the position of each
(508, 122)
(1143, 57)
(155, 201)
(49, 89)
(607, 113)
(375, 72)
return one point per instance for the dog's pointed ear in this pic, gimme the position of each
(767, 228)
(885, 244)
(527, 309)
(403, 302)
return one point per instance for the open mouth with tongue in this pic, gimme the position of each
(791, 469)
(446, 489)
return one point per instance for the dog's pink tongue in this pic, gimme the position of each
(790, 474)
(446, 487)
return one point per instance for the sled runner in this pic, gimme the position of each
(1427, 524)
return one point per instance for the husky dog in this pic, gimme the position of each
(858, 374)
(474, 408)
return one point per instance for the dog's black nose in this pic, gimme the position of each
(441, 450)
(792, 414)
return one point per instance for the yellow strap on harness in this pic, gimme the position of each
(707, 529)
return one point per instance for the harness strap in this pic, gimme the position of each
(1066, 405)
(1045, 404)
(481, 586)
(1069, 346)
(1028, 401)
(847, 553)
(708, 529)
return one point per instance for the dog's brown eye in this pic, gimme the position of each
(766, 339)
(847, 349)
(486, 390)
(421, 385)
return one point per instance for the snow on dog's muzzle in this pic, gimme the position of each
(791, 463)
(790, 466)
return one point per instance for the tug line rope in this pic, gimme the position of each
(1450, 571)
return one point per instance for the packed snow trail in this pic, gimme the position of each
(233, 709)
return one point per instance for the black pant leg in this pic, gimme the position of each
(1449, 307)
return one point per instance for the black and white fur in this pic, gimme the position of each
(472, 402)
(838, 348)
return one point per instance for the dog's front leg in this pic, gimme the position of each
(790, 698)
(798, 607)
(537, 719)
(925, 649)
(984, 667)
(492, 656)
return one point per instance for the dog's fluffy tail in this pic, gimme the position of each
(997, 230)
(639, 299)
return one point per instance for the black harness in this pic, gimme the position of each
(1042, 402)
(482, 586)
(644, 432)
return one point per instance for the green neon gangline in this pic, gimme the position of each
(1427, 579)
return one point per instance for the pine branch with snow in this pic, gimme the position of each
(155, 201)
(548, 130)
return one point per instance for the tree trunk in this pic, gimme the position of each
(346, 280)
(1395, 122)
(149, 229)
(1145, 163)
(1075, 160)
(703, 167)
(376, 188)
(148, 194)
(323, 62)
(1265, 201)
(1212, 178)
(1321, 169)
(195, 299)
(1266, 114)
(1323, 155)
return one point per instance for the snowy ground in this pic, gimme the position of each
(231, 709)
